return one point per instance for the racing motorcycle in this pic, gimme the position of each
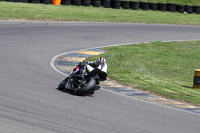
(79, 82)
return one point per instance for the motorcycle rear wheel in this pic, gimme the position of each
(90, 84)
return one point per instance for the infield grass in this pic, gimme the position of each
(42, 12)
(164, 68)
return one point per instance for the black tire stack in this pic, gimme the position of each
(171, 7)
(189, 9)
(35, 1)
(66, 2)
(134, 5)
(24, 1)
(76, 2)
(86, 2)
(96, 3)
(125, 4)
(45, 1)
(9, 0)
(144, 5)
(105, 3)
(153, 6)
(180, 8)
(196, 9)
(162, 7)
(116, 4)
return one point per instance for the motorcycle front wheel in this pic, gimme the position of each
(61, 85)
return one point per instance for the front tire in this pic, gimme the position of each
(62, 84)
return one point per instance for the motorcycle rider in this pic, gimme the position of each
(98, 69)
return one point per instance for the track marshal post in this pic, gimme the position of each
(196, 84)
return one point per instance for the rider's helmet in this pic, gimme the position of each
(101, 60)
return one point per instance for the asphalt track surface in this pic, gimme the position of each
(30, 102)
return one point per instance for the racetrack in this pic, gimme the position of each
(30, 102)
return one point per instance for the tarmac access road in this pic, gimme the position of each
(30, 102)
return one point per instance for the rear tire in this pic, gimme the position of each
(86, 88)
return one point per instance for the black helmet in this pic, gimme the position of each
(82, 64)
(101, 59)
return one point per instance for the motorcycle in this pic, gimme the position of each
(79, 82)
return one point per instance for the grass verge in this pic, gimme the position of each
(10, 11)
(164, 68)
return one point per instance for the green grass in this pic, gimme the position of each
(10, 10)
(165, 68)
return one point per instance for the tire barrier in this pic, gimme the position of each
(162, 7)
(171, 7)
(34, 1)
(45, 1)
(105, 3)
(116, 4)
(180, 8)
(96, 3)
(66, 2)
(134, 5)
(196, 9)
(86, 2)
(144, 5)
(153, 6)
(76, 2)
(125, 4)
(24, 1)
(189, 9)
